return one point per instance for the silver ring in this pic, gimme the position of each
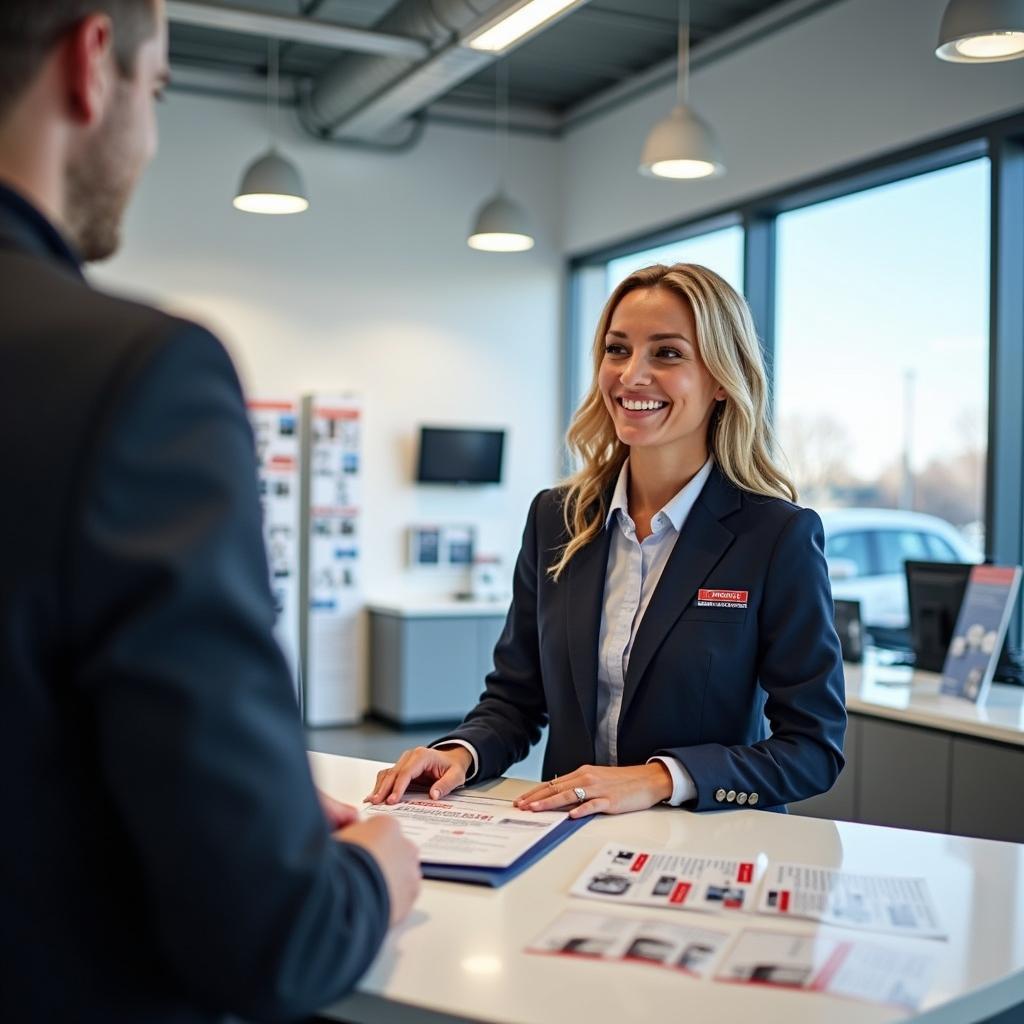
(581, 793)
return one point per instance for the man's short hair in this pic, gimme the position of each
(30, 28)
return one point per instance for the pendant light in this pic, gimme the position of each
(682, 145)
(982, 31)
(501, 224)
(272, 184)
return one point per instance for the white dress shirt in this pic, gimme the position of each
(632, 574)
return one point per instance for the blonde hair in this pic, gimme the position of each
(739, 435)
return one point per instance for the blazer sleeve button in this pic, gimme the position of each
(731, 795)
(719, 795)
(741, 798)
(752, 799)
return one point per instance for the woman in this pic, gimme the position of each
(670, 597)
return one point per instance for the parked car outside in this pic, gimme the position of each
(866, 548)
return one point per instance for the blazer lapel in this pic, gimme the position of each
(584, 602)
(700, 546)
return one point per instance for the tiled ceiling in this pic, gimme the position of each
(599, 45)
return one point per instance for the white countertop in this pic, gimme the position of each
(438, 608)
(460, 954)
(899, 693)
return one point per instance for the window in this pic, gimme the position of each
(850, 547)
(720, 250)
(881, 358)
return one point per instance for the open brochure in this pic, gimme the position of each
(880, 903)
(480, 839)
(643, 877)
(661, 878)
(820, 963)
(659, 943)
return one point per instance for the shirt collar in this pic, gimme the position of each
(23, 227)
(676, 509)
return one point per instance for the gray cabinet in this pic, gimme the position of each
(986, 794)
(840, 802)
(429, 670)
(908, 776)
(903, 776)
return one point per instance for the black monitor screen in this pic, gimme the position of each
(935, 591)
(450, 456)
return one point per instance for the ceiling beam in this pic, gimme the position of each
(294, 29)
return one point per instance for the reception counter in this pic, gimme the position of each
(459, 957)
(919, 759)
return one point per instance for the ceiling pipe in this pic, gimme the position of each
(354, 81)
(297, 30)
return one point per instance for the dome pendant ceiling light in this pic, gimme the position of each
(501, 224)
(683, 145)
(981, 31)
(272, 184)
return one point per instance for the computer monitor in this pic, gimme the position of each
(459, 456)
(851, 631)
(935, 591)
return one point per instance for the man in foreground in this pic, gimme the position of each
(165, 857)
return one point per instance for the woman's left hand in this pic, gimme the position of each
(606, 790)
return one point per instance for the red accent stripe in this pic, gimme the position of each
(832, 964)
(746, 872)
(272, 406)
(680, 892)
(639, 863)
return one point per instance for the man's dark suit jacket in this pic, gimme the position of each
(701, 679)
(164, 856)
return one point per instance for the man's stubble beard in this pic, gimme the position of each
(99, 184)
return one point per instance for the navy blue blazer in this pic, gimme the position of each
(165, 858)
(703, 676)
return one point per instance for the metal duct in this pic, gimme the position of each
(366, 95)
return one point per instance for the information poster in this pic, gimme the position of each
(275, 424)
(333, 679)
(980, 630)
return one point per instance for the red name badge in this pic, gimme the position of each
(722, 598)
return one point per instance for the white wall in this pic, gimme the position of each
(373, 290)
(852, 81)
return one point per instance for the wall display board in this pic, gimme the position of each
(332, 651)
(275, 424)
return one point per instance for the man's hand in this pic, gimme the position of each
(338, 815)
(442, 770)
(397, 858)
(607, 790)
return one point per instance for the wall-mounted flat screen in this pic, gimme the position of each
(457, 456)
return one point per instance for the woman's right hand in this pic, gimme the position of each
(443, 770)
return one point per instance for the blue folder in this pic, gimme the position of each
(495, 877)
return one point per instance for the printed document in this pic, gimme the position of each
(820, 963)
(879, 903)
(659, 943)
(463, 829)
(623, 873)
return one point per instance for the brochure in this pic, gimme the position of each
(663, 878)
(980, 630)
(881, 903)
(479, 839)
(820, 963)
(659, 943)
